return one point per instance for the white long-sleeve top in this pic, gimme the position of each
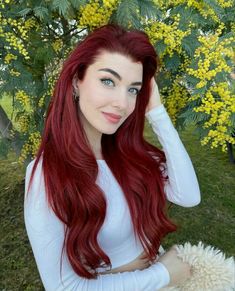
(116, 236)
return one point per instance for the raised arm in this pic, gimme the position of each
(46, 235)
(182, 187)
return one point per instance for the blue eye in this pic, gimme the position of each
(107, 82)
(134, 91)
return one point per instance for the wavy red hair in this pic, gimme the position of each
(70, 168)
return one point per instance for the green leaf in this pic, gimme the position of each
(190, 43)
(61, 5)
(190, 117)
(44, 53)
(149, 9)
(215, 6)
(233, 120)
(177, 9)
(191, 80)
(160, 47)
(221, 77)
(229, 15)
(78, 3)
(199, 130)
(200, 91)
(186, 14)
(172, 63)
(41, 12)
(163, 80)
(227, 35)
(24, 12)
(204, 23)
(126, 13)
(194, 63)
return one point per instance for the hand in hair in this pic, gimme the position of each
(155, 99)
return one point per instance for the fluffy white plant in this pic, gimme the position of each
(211, 271)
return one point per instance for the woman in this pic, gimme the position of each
(95, 203)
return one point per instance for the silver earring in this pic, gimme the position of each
(75, 96)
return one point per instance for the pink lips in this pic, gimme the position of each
(112, 117)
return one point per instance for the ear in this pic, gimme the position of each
(75, 83)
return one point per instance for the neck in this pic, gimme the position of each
(94, 138)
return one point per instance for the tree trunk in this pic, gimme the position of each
(5, 124)
(5, 128)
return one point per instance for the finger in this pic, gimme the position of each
(143, 255)
(174, 247)
(144, 266)
(145, 261)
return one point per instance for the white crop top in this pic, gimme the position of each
(116, 236)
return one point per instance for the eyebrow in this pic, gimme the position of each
(115, 74)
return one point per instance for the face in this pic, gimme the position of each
(109, 89)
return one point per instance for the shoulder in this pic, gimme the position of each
(37, 189)
(30, 165)
(38, 173)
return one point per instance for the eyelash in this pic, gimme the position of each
(104, 80)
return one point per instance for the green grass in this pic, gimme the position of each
(212, 221)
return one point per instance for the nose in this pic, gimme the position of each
(121, 100)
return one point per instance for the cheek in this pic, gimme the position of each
(132, 105)
(91, 95)
(97, 93)
(98, 99)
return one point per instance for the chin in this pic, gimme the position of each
(109, 131)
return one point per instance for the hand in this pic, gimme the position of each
(178, 270)
(155, 99)
(140, 263)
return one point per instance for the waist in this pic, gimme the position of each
(125, 258)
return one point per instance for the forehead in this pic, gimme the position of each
(123, 65)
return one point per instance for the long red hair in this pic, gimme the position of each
(70, 168)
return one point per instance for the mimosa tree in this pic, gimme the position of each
(194, 39)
